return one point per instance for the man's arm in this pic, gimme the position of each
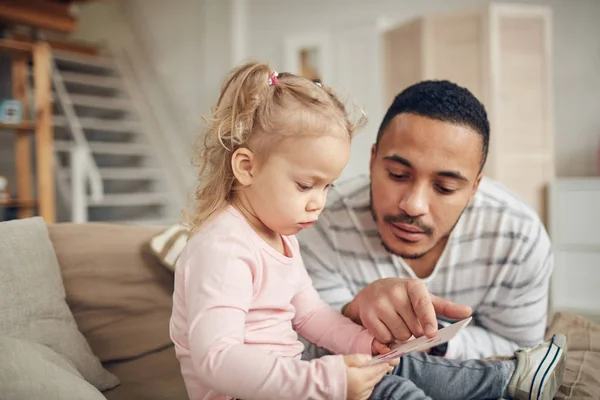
(323, 264)
(388, 308)
(514, 311)
(475, 342)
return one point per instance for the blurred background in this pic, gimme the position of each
(102, 100)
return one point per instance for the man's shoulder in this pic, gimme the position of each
(494, 198)
(348, 204)
(353, 192)
(498, 214)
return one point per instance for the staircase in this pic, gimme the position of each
(106, 168)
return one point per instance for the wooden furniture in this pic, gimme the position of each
(502, 54)
(49, 15)
(574, 218)
(21, 53)
(40, 14)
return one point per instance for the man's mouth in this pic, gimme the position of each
(407, 233)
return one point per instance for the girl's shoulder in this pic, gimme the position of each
(224, 233)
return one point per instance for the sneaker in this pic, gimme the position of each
(539, 372)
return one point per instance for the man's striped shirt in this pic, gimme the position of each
(498, 260)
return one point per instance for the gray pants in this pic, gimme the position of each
(421, 376)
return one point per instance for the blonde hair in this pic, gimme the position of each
(254, 112)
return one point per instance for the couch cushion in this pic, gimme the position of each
(581, 379)
(120, 295)
(155, 376)
(30, 370)
(32, 298)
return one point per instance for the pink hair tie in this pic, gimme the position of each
(273, 78)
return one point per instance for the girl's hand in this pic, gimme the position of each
(361, 381)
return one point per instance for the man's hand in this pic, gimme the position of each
(396, 308)
(379, 348)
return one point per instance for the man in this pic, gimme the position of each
(427, 219)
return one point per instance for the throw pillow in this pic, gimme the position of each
(32, 299)
(120, 295)
(168, 245)
(30, 370)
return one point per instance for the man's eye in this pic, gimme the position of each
(303, 188)
(398, 177)
(444, 190)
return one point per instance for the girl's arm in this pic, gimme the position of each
(322, 325)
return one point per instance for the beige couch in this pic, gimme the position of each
(120, 297)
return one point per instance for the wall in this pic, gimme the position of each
(165, 47)
(188, 45)
(576, 59)
(577, 85)
(172, 40)
(125, 26)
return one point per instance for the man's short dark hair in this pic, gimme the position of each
(443, 101)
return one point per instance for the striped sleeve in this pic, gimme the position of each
(322, 262)
(475, 342)
(514, 311)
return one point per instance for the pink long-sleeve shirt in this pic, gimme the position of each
(237, 306)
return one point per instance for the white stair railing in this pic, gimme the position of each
(78, 162)
(82, 164)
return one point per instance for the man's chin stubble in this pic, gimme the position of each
(408, 256)
(413, 256)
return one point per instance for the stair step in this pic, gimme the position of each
(124, 174)
(130, 173)
(106, 82)
(131, 199)
(104, 103)
(99, 124)
(83, 61)
(107, 147)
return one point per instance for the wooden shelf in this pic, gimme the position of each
(43, 15)
(40, 53)
(16, 48)
(14, 203)
(23, 126)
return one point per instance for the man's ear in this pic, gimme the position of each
(373, 155)
(243, 164)
(476, 185)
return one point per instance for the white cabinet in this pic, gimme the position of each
(574, 219)
(502, 54)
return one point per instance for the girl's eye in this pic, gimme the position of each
(329, 186)
(303, 188)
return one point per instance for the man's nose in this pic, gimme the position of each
(415, 202)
